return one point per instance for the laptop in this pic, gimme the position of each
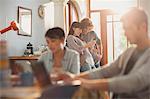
(44, 81)
(41, 74)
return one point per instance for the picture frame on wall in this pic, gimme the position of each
(25, 21)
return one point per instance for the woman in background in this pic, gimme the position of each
(89, 35)
(73, 42)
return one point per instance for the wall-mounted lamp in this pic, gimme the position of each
(13, 26)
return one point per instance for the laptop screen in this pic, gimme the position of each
(41, 74)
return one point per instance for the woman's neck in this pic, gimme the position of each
(75, 35)
(58, 57)
(59, 53)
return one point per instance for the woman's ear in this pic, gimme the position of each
(62, 39)
(73, 29)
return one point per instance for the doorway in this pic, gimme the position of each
(109, 29)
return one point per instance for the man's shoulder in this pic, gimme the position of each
(130, 48)
(128, 51)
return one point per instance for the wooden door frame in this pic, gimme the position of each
(103, 31)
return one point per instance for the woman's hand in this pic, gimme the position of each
(90, 44)
(66, 77)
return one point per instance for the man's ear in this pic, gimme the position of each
(143, 27)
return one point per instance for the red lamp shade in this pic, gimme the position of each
(13, 26)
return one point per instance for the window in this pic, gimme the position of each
(75, 10)
(71, 13)
(116, 41)
(105, 15)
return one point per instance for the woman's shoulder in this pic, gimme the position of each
(70, 36)
(46, 54)
(93, 33)
(71, 52)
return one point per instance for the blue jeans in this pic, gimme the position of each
(84, 68)
(97, 64)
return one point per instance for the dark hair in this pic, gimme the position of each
(136, 15)
(74, 25)
(55, 33)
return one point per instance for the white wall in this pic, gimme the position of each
(49, 15)
(59, 15)
(55, 11)
(145, 4)
(17, 43)
(8, 12)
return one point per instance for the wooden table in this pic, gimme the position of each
(20, 93)
(23, 58)
(15, 67)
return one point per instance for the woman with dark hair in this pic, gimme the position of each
(59, 56)
(73, 42)
(69, 91)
